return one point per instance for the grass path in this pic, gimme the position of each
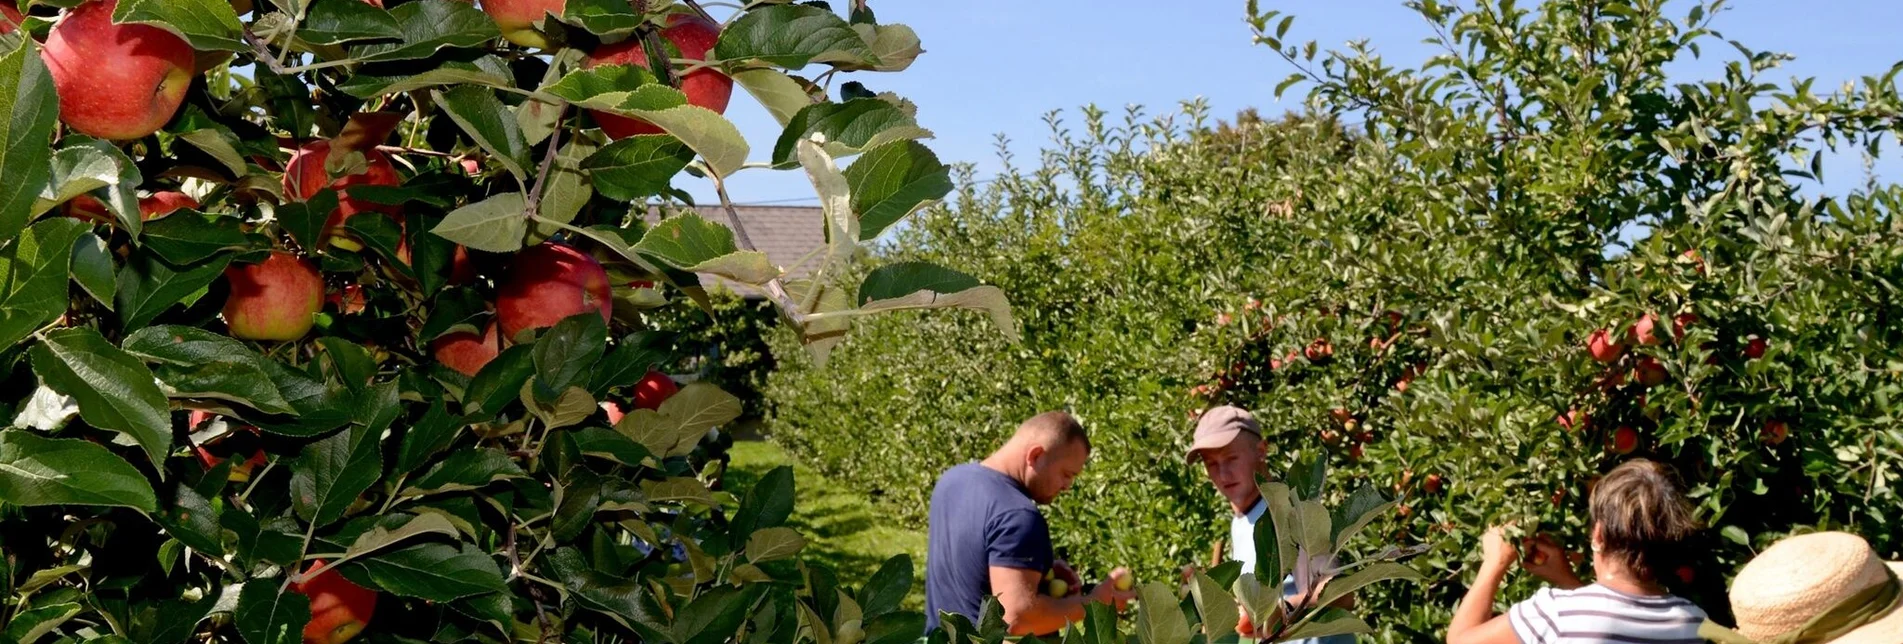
(845, 530)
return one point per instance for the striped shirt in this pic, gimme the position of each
(1596, 614)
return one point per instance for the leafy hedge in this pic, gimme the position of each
(1418, 294)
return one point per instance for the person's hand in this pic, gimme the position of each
(1107, 592)
(1189, 573)
(1546, 560)
(1495, 550)
(1061, 570)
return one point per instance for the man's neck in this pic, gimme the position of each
(1246, 508)
(1003, 464)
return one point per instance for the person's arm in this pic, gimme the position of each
(1551, 564)
(1029, 612)
(1474, 621)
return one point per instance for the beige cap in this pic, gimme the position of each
(1220, 426)
(1797, 579)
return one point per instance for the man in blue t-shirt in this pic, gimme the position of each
(988, 538)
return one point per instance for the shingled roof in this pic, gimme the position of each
(784, 233)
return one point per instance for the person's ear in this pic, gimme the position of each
(1034, 455)
(1598, 541)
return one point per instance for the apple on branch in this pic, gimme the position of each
(116, 81)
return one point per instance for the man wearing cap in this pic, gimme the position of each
(1228, 442)
(987, 538)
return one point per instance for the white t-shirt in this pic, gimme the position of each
(1242, 548)
(1596, 614)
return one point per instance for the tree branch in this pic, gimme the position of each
(548, 158)
(775, 289)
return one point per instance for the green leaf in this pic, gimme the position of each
(332, 472)
(1736, 535)
(1217, 606)
(1313, 528)
(917, 285)
(894, 48)
(604, 443)
(496, 224)
(490, 123)
(115, 391)
(626, 601)
(791, 36)
(679, 488)
(206, 24)
(893, 181)
(1350, 517)
(28, 626)
(1374, 573)
(267, 613)
(602, 17)
(1330, 621)
(632, 358)
(188, 237)
(333, 22)
(563, 355)
(193, 520)
(221, 144)
(321, 406)
(1309, 476)
(429, 435)
(568, 189)
(1276, 540)
(199, 363)
(33, 272)
(605, 87)
(429, 25)
(716, 615)
(691, 243)
(453, 310)
(305, 220)
(148, 286)
(711, 135)
(434, 571)
(1159, 621)
(777, 92)
(483, 69)
(767, 505)
(93, 269)
(682, 420)
(769, 544)
(86, 165)
(498, 383)
(466, 470)
(31, 107)
(885, 590)
(350, 363)
(637, 166)
(68, 471)
(379, 537)
(849, 128)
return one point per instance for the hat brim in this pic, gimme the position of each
(1886, 630)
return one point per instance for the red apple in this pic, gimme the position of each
(706, 87)
(614, 411)
(1432, 484)
(349, 300)
(517, 18)
(1354, 453)
(1603, 348)
(1650, 372)
(1331, 437)
(1222, 319)
(276, 299)
(1679, 322)
(1624, 440)
(1774, 432)
(339, 609)
(1245, 626)
(467, 352)
(116, 81)
(1642, 331)
(10, 17)
(215, 452)
(653, 389)
(1698, 263)
(1318, 350)
(1686, 574)
(548, 283)
(305, 176)
(164, 203)
(1754, 348)
(1574, 420)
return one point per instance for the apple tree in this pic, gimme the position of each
(335, 319)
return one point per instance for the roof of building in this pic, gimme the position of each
(785, 233)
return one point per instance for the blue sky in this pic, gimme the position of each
(996, 66)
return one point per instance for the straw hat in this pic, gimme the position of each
(1816, 588)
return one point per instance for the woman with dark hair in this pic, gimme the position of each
(1640, 520)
